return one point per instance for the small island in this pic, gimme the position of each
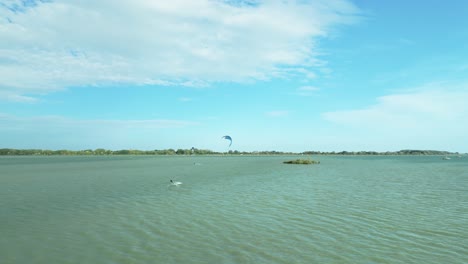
(302, 161)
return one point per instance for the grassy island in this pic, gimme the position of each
(302, 161)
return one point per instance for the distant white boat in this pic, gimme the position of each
(446, 158)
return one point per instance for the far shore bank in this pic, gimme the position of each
(202, 152)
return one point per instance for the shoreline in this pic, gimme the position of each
(207, 152)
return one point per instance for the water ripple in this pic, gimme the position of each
(234, 210)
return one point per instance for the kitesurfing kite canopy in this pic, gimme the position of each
(228, 138)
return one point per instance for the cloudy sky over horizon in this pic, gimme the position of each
(326, 75)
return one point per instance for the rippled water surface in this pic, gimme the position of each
(233, 210)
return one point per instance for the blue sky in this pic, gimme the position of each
(274, 75)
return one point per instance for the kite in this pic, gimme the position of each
(228, 138)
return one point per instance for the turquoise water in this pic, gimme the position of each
(233, 210)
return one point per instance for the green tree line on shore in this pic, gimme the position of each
(100, 151)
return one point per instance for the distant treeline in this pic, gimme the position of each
(400, 152)
(31, 152)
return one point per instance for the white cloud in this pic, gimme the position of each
(422, 109)
(59, 44)
(14, 97)
(432, 117)
(12, 122)
(185, 99)
(307, 90)
(62, 132)
(279, 113)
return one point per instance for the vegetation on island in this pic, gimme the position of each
(302, 161)
(194, 151)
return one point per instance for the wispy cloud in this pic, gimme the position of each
(14, 97)
(278, 113)
(54, 122)
(49, 45)
(185, 99)
(405, 41)
(63, 132)
(307, 90)
(430, 109)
